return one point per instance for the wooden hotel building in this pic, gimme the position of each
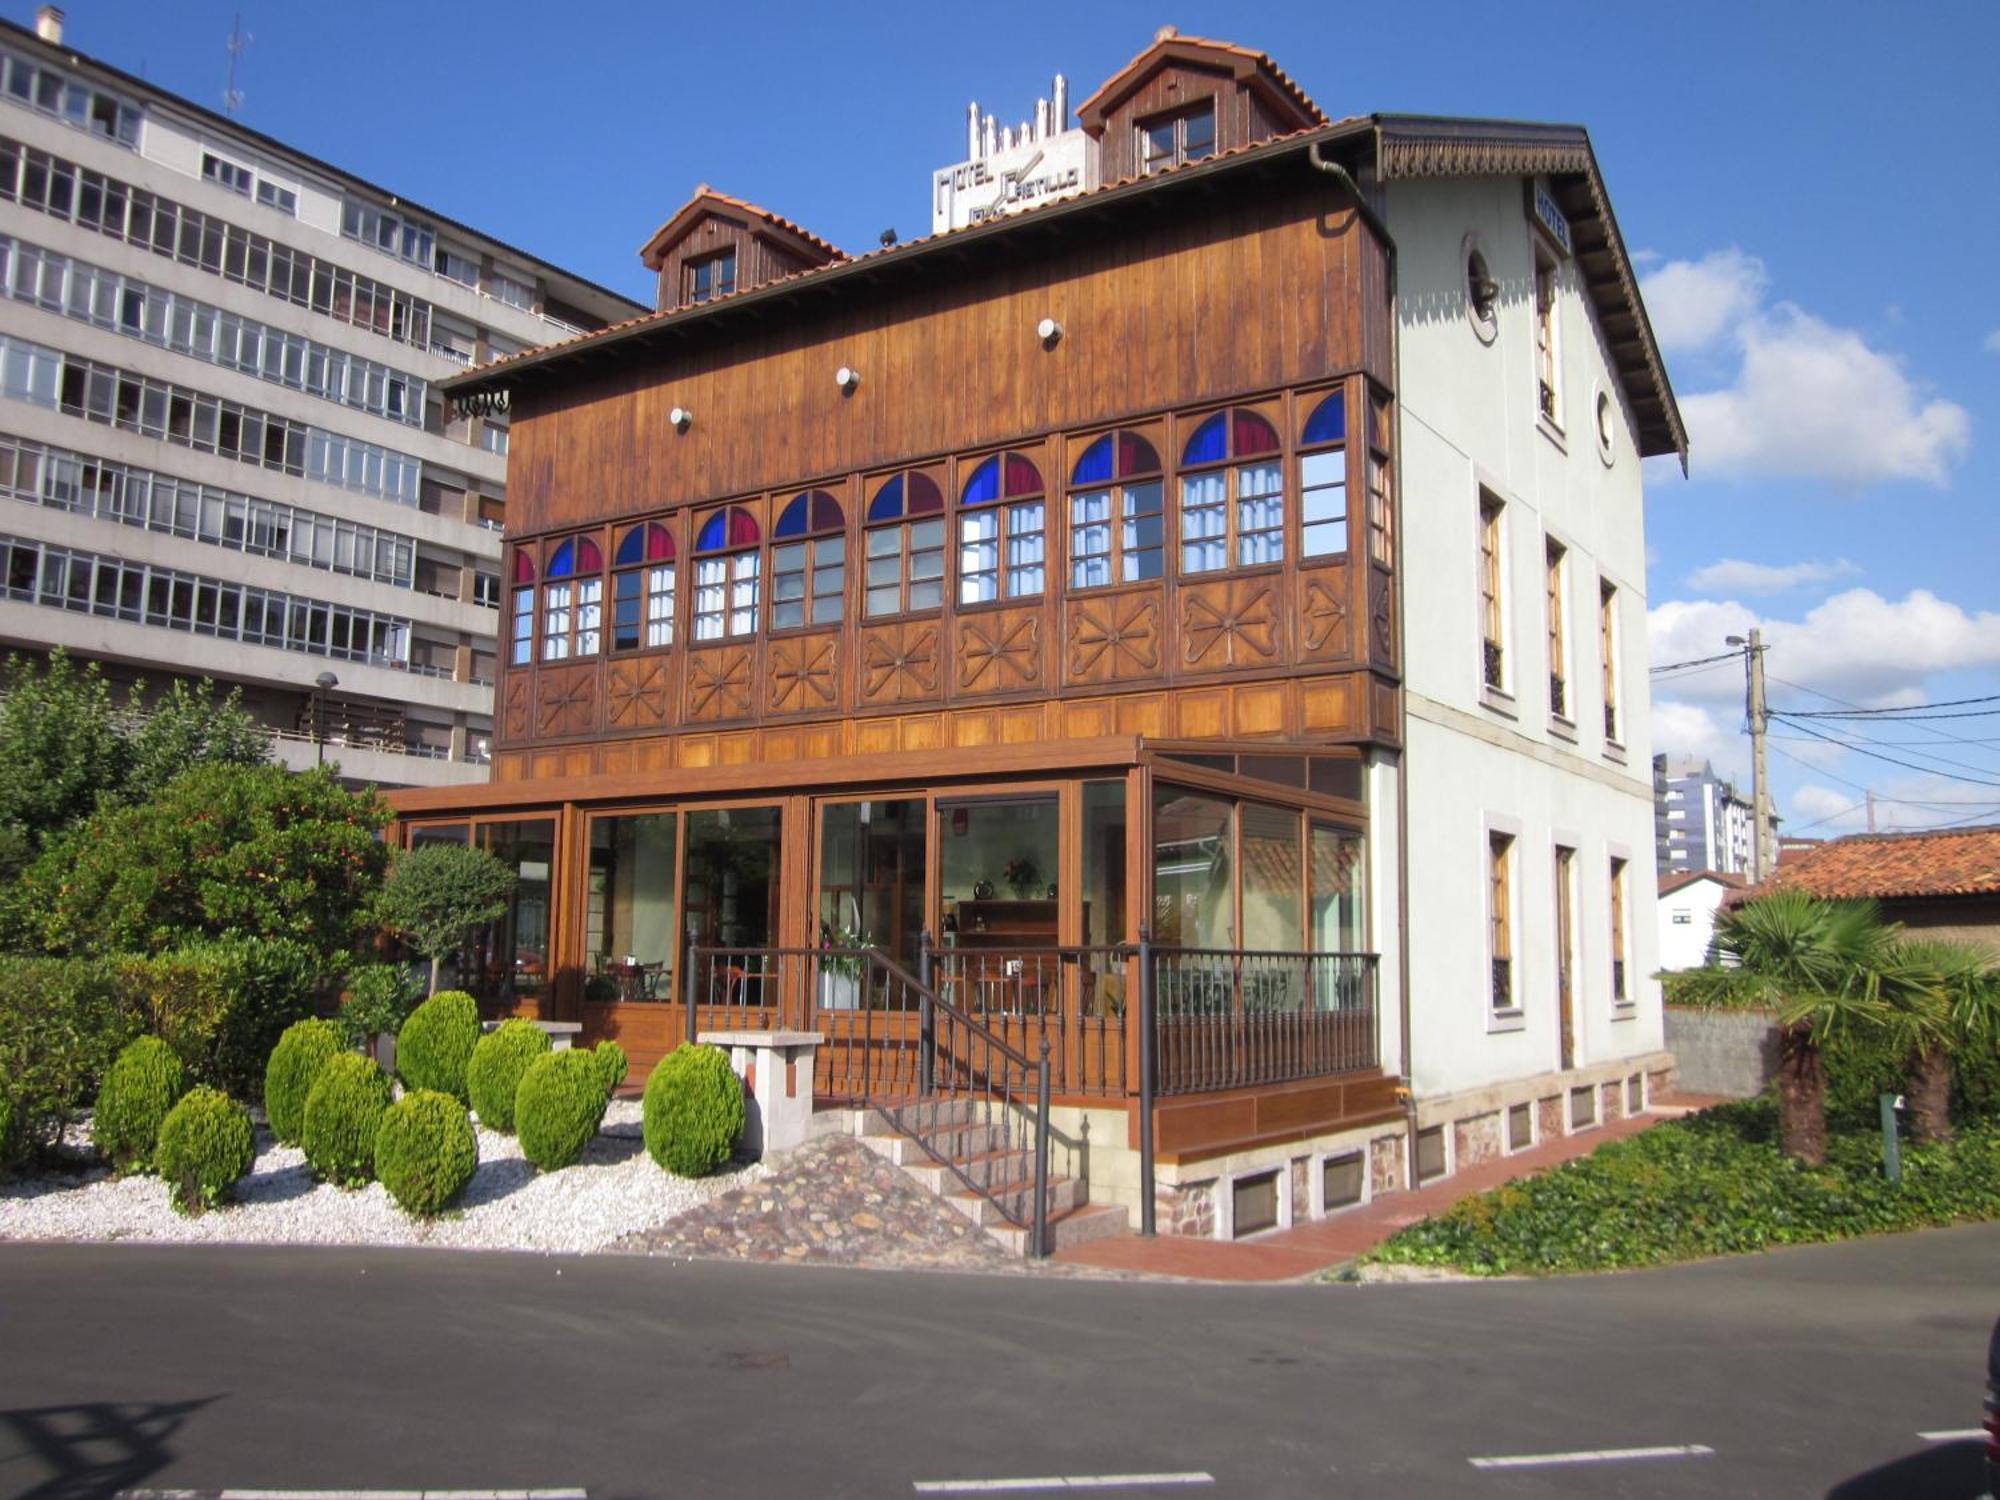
(1175, 641)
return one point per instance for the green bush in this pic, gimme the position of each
(145, 1082)
(1712, 1184)
(612, 1066)
(379, 999)
(498, 1063)
(425, 1151)
(295, 1064)
(343, 1112)
(222, 1003)
(62, 1025)
(558, 1107)
(693, 1110)
(6, 1132)
(205, 1148)
(436, 1043)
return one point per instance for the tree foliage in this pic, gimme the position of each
(436, 894)
(191, 726)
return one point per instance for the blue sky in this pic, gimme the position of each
(1811, 187)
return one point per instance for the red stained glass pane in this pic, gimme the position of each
(1023, 478)
(659, 543)
(589, 556)
(1252, 435)
(524, 566)
(924, 497)
(1136, 456)
(742, 527)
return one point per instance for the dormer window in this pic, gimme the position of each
(711, 276)
(1169, 140)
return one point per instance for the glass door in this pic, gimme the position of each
(872, 873)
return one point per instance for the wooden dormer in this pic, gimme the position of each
(715, 244)
(1185, 98)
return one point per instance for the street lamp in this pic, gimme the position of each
(322, 684)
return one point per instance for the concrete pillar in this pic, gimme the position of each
(777, 1072)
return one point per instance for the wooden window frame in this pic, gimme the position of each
(1548, 339)
(1120, 516)
(1380, 482)
(692, 275)
(1231, 468)
(584, 594)
(1504, 994)
(1555, 573)
(1177, 118)
(1621, 968)
(1308, 404)
(1607, 645)
(1492, 595)
(905, 554)
(644, 576)
(1004, 508)
(811, 571)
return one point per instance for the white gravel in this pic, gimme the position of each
(509, 1205)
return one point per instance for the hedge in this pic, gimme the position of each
(205, 1148)
(343, 1113)
(63, 1023)
(558, 1107)
(693, 1110)
(612, 1066)
(222, 1003)
(294, 1067)
(425, 1151)
(498, 1063)
(436, 1043)
(144, 1083)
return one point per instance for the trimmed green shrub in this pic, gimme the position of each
(295, 1064)
(436, 1043)
(222, 1003)
(205, 1148)
(62, 1025)
(498, 1063)
(425, 1151)
(693, 1110)
(558, 1107)
(343, 1112)
(6, 1131)
(141, 1087)
(612, 1066)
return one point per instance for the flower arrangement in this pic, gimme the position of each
(1023, 875)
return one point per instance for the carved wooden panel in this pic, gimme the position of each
(517, 706)
(804, 675)
(999, 651)
(1230, 623)
(899, 663)
(636, 692)
(1381, 617)
(721, 683)
(1114, 637)
(1324, 632)
(566, 701)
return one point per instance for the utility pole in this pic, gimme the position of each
(1760, 779)
(1871, 810)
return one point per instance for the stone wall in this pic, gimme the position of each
(1733, 1053)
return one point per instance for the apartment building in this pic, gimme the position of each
(222, 449)
(1703, 823)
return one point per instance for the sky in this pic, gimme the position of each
(1810, 190)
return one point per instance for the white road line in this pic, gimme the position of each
(1956, 1435)
(1056, 1482)
(1592, 1456)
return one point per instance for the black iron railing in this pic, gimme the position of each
(1503, 984)
(1490, 660)
(1611, 722)
(1226, 1018)
(1558, 696)
(1074, 997)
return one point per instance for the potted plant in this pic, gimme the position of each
(1023, 876)
(839, 971)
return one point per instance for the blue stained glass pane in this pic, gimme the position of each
(1209, 443)
(631, 547)
(888, 502)
(564, 562)
(1095, 465)
(714, 533)
(1328, 423)
(793, 521)
(983, 488)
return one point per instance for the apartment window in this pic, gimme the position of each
(1548, 354)
(573, 600)
(1323, 480)
(521, 649)
(1607, 646)
(74, 103)
(1170, 140)
(388, 232)
(642, 588)
(1117, 529)
(1619, 994)
(486, 590)
(905, 546)
(809, 562)
(726, 578)
(514, 293)
(1500, 918)
(1232, 494)
(1492, 635)
(1002, 521)
(283, 199)
(455, 267)
(1553, 573)
(1381, 513)
(227, 174)
(711, 276)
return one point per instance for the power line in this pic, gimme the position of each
(1696, 661)
(1865, 739)
(1852, 712)
(1892, 760)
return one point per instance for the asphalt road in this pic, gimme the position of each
(1806, 1372)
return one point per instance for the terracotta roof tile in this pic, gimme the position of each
(704, 193)
(1263, 59)
(1947, 862)
(1671, 883)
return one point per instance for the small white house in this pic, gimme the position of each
(1688, 904)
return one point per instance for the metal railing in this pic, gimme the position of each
(1072, 997)
(1226, 1018)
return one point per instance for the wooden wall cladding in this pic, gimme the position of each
(1000, 651)
(566, 701)
(1325, 633)
(1233, 623)
(804, 676)
(757, 259)
(1116, 636)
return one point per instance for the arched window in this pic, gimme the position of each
(905, 545)
(521, 651)
(573, 600)
(808, 562)
(1116, 531)
(642, 588)
(1001, 525)
(1233, 505)
(1323, 480)
(725, 574)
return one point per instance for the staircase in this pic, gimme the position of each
(1002, 1200)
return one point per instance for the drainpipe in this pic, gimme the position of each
(1407, 1088)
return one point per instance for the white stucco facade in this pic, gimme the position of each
(1686, 920)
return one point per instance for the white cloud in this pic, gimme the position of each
(1822, 812)
(1992, 344)
(1900, 802)
(1694, 303)
(1734, 576)
(1689, 729)
(1855, 645)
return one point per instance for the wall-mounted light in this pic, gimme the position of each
(847, 378)
(1049, 331)
(681, 418)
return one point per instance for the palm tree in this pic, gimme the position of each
(1953, 1002)
(1823, 966)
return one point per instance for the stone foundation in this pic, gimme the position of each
(1551, 1119)
(1479, 1139)
(1387, 1172)
(1185, 1208)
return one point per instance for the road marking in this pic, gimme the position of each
(566, 1494)
(1056, 1482)
(1591, 1456)
(1956, 1435)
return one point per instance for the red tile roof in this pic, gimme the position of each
(706, 196)
(1947, 862)
(1169, 38)
(1671, 883)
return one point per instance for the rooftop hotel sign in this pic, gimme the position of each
(1012, 178)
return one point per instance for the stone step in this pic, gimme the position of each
(953, 1144)
(989, 1170)
(1075, 1226)
(1018, 1199)
(876, 1120)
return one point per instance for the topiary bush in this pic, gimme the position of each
(205, 1148)
(435, 1044)
(558, 1107)
(343, 1112)
(612, 1066)
(143, 1084)
(498, 1063)
(425, 1151)
(288, 1078)
(693, 1110)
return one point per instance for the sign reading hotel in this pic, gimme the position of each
(1010, 168)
